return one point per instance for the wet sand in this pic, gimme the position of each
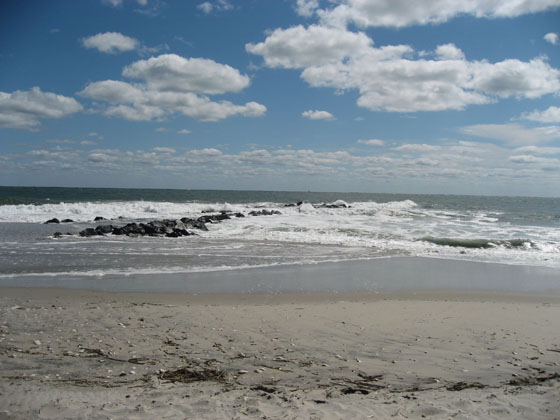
(392, 354)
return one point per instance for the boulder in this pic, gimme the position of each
(193, 224)
(89, 232)
(53, 220)
(104, 229)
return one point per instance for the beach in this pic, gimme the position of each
(400, 354)
(172, 304)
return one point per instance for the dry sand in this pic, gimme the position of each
(73, 354)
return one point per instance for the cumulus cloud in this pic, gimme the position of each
(395, 78)
(317, 115)
(400, 13)
(23, 109)
(307, 8)
(110, 42)
(171, 72)
(551, 37)
(372, 142)
(298, 47)
(531, 79)
(449, 52)
(549, 115)
(173, 84)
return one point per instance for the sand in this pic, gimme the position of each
(67, 354)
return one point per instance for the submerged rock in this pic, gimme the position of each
(264, 213)
(339, 204)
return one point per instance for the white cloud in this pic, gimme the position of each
(512, 77)
(219, 5)
(549, 115)
(102, 157)
(113, 91)
(110, 42)
(184, 131)
(479, 166)
(372, 142)
(544, 163)
(113, 3)
(536, 150)
(418, 148)
(138, 112)
(171, 72)
(116, 3)
(551, 37)
(514, 134)
(449, 52)
(317, 115)
(298, 47)
(172, 84)
(307, 8)
(391, 78)
(399, 13)
(168, 150)
(206, 7)
(23, 109)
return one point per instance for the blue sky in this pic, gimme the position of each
(347, 95)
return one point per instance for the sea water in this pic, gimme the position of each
(309, 228)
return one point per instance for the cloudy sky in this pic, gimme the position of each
(430, 96)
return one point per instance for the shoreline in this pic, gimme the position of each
(377, 275)
(256, 299)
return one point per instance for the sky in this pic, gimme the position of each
(430, 96)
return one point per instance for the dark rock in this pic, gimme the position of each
(264, 212)
(57, 234)
(336, 205)
(104, 229)
(150, 229)
(89, 232)
(299, 203)
(54, 220)
(133, 229)
(98, 219)
(214, 218)
(118, 231)
(193, 224)
(66, 221)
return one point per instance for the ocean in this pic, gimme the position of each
(306, 228)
